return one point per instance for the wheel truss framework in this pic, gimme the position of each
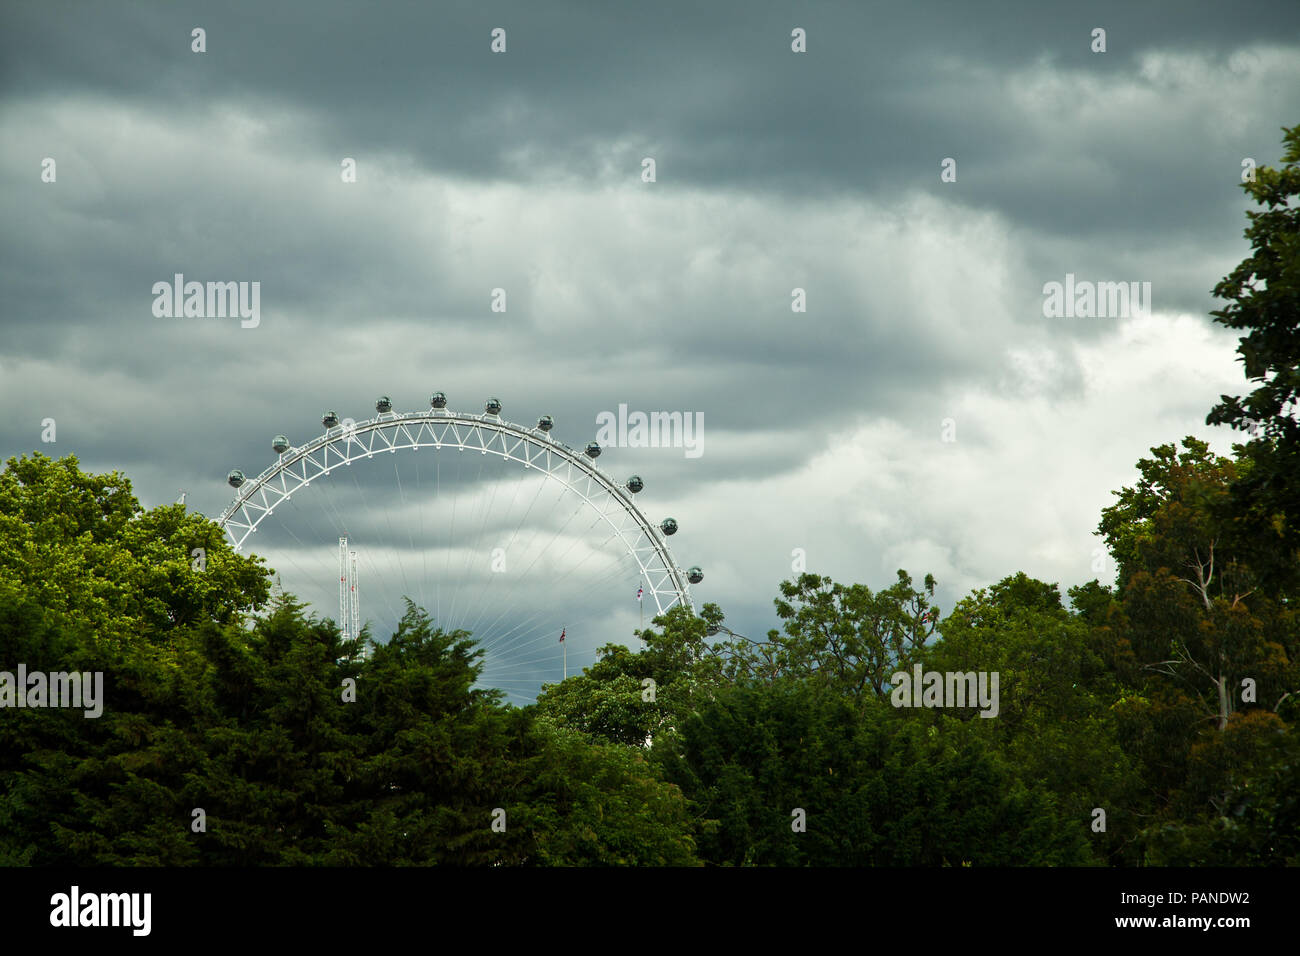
(345, 443)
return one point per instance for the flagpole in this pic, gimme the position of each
(566, 659)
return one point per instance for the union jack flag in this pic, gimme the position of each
(639, 592)
(562, 630)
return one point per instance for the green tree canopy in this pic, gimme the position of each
(1263, 295)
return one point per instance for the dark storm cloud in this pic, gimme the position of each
(712, 85)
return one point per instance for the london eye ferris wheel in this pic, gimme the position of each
(516, 537)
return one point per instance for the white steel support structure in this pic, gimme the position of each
(345, 592)
(354, 602)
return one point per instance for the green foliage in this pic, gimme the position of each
(877, 789)
(1170, 518)
(1194, 610)
(845, 637)
(1191, 624)
(628, 697)
(1263, 295)
(1055, 727)
(1255, 820)
(81, 545)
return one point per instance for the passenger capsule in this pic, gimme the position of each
(592, 450)
(383, 404)
(280, 444)
(635, 484)
(492, 406)
(668, 526)
(437, 400)
(694, 575)
(235, 478)
(546, 423)
(329, 419)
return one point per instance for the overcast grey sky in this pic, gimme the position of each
(522, 170)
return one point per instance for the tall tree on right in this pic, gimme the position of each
(1263, 295)
(1195, 612)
